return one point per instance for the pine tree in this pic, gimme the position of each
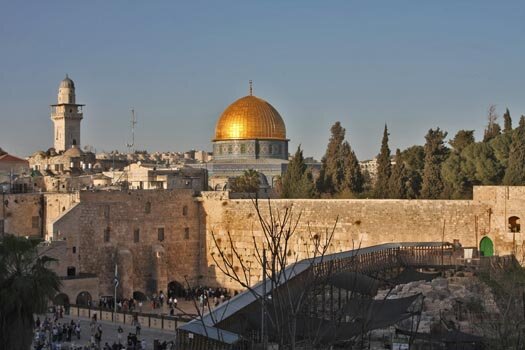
(515, 173)
(397, 182)
(507, 120)
(435, 154)
(297, 181)
(331, 174)
(353, 179)
(384, 168)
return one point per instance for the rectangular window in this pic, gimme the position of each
(136, 235)
(107, 233)
(160, 234)
(1, 225)
(106, 211)
(35, 222)
(187, 233)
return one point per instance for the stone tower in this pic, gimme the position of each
(66, 116)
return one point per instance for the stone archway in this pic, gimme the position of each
(61, 299)
(176, 289)
(486, 247)
(83, 299)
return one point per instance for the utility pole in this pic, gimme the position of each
(133, 123)
(116, 283)
(263, 300)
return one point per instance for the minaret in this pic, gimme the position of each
(66, 116)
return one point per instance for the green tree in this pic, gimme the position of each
(248, 182)
(481, 165)
(462, 139)
(398, 181)
(507, 121)
(26, 286)
(515, 173)
(493, 129)
(297, 180)
(501, 147)
(353, 179)
(414, 161)
(332, 174)
(457, 184)
(435, 155)
(384, 168)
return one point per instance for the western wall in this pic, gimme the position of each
(171, 239)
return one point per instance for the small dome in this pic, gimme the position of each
(250, 117)
(73, 152)
(67, 83)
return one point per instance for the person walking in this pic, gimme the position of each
(137, 328)
(119, 334)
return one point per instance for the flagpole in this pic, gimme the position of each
(115, 282)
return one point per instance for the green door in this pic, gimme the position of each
(486, 247)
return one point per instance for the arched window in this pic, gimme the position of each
(514, 224)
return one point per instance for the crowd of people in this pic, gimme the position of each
(53, 334)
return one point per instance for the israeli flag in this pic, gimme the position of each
(115, 280)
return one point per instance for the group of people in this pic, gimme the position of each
(51, 333)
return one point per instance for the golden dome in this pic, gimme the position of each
(250, 117)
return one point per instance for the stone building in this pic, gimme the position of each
(140, 176)
(11, 167)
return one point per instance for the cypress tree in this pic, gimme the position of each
(353, 179)
(384, 168)
(515, 173)
(507, 122)
(397, 182)
(435, 154)
(297, 182)
(331, 174)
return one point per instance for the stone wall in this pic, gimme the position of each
(359, 223)
(505, 202)
(108, 228)
(22, 214)
(33, 214)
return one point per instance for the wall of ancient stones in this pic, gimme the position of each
(126, 228)
(355, 223)
(22, 214)
(507, 208)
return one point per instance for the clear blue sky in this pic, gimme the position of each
(414, 65)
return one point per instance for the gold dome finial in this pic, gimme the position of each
(251, 87)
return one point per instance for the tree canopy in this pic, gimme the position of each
(26, 286)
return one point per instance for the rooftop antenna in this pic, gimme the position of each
(251, 88)
(133, 123)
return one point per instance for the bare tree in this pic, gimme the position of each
(287, 283)
(493, 129)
